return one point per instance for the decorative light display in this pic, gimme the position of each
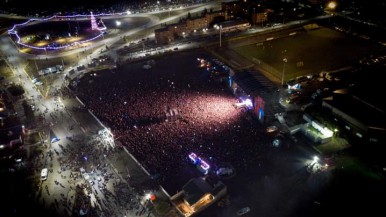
(94, 26)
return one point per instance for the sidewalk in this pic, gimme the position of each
(129, 170)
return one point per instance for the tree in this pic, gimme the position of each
(16, 90)
(205, 11)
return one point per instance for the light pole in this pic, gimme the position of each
(331, 5)
(103, 36)
(330, 9)
(264, 19)
(282, 74)
(37, 69)
(220, 34)
(254, 17)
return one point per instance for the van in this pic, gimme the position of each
(44, 174)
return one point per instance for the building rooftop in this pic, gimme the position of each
(250, 83)
(231, 23)
(358, 108)
(195, 189)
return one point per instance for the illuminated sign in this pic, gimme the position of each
(201, 164)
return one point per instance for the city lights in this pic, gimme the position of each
(331, 5)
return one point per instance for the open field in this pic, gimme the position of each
(307, 53)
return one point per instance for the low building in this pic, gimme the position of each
(51, 70)
(214, 17)
(11, 129)
(197, 194)
(196, 23)
(233, 9)
(357, 116)
(11, 137)
(259, 16)
(163, 36)
(314, 130)
(234, 25)
(254, 11)
(186, 27)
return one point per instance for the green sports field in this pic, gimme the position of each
(307, 52)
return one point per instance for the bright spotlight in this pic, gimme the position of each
(331, 5)
(147, 196)
(316, 159)
(128, 12)
(248, 102)
(118, 23)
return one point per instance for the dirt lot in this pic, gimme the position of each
(5, 71)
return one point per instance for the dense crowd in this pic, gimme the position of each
(137, 107)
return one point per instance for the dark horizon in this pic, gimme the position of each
(39, 5)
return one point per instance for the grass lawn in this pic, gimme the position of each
(309, 52)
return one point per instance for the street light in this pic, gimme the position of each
(282, 74)
(316, 159)
(220, 34)
(331, 5)
(254, 17)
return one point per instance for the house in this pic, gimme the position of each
(197, 194)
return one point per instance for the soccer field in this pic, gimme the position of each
(307, 53)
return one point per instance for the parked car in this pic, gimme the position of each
(224, 171)
(243, 211)
(18, 156)
(271, 129)
(44, 174)
(55, 140)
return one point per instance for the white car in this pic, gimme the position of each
(243, 211)
(55, 140)
(271, 129)
(224, 171)
(44, 174)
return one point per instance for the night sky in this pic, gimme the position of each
(42, 5)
